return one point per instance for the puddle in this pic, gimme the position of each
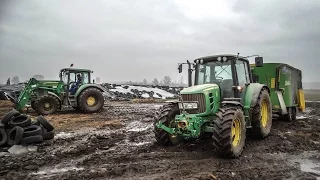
(63, 135)
(302, 117)
(137, 127)
(57, 170)
(310, 167)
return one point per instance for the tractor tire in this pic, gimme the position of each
(229, 132)
(91, 100)
(5, 120)
(261, 116)
(3, 137)
(45, 123)
(32, 130)
(15, 135)
(166, 115)
(21, 120)
(47, 104)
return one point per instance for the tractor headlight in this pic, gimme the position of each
(188, 105)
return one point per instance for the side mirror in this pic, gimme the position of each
(180, 68)
(259, 61)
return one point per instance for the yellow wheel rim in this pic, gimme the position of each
(91, 101)
(264, 113)
(236, 132)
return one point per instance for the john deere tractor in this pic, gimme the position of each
(73, 89)
(223, 104)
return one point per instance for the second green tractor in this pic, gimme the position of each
(223, 103)
(73, 89)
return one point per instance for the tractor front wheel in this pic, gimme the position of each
(229, 132)
(166, 115)
(262, 116)
(47, 104)
(91, 100)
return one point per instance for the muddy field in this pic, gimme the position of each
(118, 143)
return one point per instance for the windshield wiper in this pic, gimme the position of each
(222, 69)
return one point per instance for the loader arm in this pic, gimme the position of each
(25, 95)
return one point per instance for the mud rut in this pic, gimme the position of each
(130, 152)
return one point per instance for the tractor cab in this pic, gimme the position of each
(230, 72)
(74, 78)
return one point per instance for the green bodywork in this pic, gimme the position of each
(202, 122)
(280, 77)
(58, 88)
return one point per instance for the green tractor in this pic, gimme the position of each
(73, 89)
(223, 104)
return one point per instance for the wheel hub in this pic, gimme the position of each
(91, 101)
(236, 132)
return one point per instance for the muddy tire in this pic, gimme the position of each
(91, 100)
(47, 135)
(5, 120)
(3, 137)
(261, 116)
(22, 120)
(32, 140)
(166, 116)
(229, 132)
(32, 130)
(47, 104)
(45, 123)
(15, 135)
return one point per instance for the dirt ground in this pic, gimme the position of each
(118, 143)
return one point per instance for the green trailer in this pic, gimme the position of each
(285, 84)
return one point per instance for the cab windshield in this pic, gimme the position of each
(214, 72)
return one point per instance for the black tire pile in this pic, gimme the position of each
(19, 129)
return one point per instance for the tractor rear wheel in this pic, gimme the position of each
(166, 115)
(229, 132)
(90, 100)
(47, 104)
(262, 116)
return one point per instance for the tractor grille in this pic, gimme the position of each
(200, 98)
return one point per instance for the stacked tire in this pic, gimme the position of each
(19, 129)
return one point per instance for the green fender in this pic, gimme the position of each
(86, 86)
(250, 98)
(252, 93)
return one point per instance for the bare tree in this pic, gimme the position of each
(166, 80)
(145, 82)
(155, 82)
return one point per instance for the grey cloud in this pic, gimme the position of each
(132, 40)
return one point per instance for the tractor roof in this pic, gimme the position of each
(75, 70)
(229, 56)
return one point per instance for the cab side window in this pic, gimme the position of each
(242, 73)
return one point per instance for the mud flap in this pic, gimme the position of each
(282, 104)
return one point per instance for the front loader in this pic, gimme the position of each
(223, 103)
(73, 89)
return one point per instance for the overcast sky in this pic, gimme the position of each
(135, 39)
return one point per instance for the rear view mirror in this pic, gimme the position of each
(180, 68)
(259, 61)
